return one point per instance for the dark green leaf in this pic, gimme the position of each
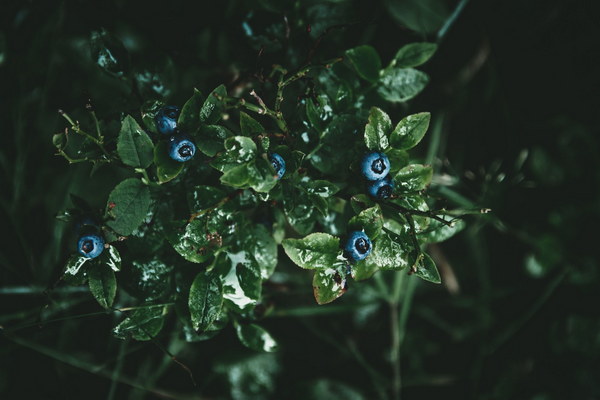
(202, 197)
(143, 324)
(263, 248)
(189, 117)
(249, 126)
(149, 111)
(360, 202)
(398, 159)
(191, 240)
(103, 284)
(427, 270)
(249, 277)
(111, 257)
(401, 84)
(377, 130)
(255, 337)
(413, 54)
(439, 232)
(209, 139)
(317, 250)
(413, 178)
(166, 168)
(211, 110)
(389, 252)
(423, 16)
(239, 150)
(410, 130)
(322, 188)
(75, 272)
(206, 300)
(365, 61)
(134, 146)
(363, 269)
(128, 204)
(329, 283)
(109, 53)
(370, 221)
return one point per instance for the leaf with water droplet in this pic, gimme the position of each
(142, 324)
(401, 84)
(205, 300)
(370, 221)
(377, 130)
(413, 178)
(329, 283)
(413, 54)
(315, 251)
(213, 106)
(410, 130)
(128, 205)
(103, 284)
(365, 61)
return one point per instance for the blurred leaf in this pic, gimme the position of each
(205, 300)
(212, 109)
(423, 16)
(103, 284)
(413, 55)
(370, 221)
(127, 206)
(401, 84)
(330, 390)
(134, 146)
(142, 324)
(189, 117)
(255, 337)
(427, 270)
(109, 53)
(413, 178)
(166, 168)
(250, 377)
(377, 130)
(317, 250)
(365, 61)
(410, 130)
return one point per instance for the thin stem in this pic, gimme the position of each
(77, 129)
(146, 179)
(211, 209)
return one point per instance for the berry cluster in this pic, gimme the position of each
(181, 147)
(375, 168)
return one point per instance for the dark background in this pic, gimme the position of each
(515, 88)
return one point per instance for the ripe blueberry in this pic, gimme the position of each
(90, 245)
(181, 148)
(381, 189)
(166, 120)
(278, 163)
(375, 165)
(358, 246)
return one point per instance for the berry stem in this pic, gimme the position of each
(77, 129)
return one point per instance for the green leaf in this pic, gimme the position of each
(128, 204)
(410, 130)
(401, 84)
(74, 273)
(362, 269)
(413, 178)
(249, 277)
(111, 258)
(189, 117)
(377, 130)
(209, 139)
(191, 240)
(262, 176)
(329, 283)
(390, 252)
(103, 284)
(370, 221)
(398, 159)
(166, 168)
(439, 232)
(149, 111)
(211, 110)
(427, 270)
(134, 145)
(143, 324)
(239, 150)
(255, 337)
(317, 250)
(322, 188)
(206, 300)
(361, 202)
(263, 248)
(202, 197)
(413, 55)
(365, 61)
(249, 126)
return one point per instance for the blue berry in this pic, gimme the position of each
(166, 120)
(90, 245)
(381, 189)
(181, 148)
(278, 164)
(358, 246)
(375, 165)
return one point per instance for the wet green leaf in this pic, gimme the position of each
(239, 150)
(410, 130)
(189, 117)
(134, 146)
(255, 337)
(377, 130)
(249, 126)
(329, 283)
(103, 284)
(166, 168)
(211, 110)
(149, 111)
(362, 270)
(191, 240)
(263, 248)
(398, 159)
(365, 61)
(202, 197)
(401, 84)
(111, 257)
(315, 251)
(74, 273)
(390, 252)
(205, 300)
(427, 270)
(127, 206)
(370, 221)
(413, 178)
(142, 324)
(413, 54)
(361, 202)
(322, 188)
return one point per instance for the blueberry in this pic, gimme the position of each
(181, 148)
(375, 166)
(278, 163)
(166, 120)
(381, 189)
(90, 245)
(358, 246)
